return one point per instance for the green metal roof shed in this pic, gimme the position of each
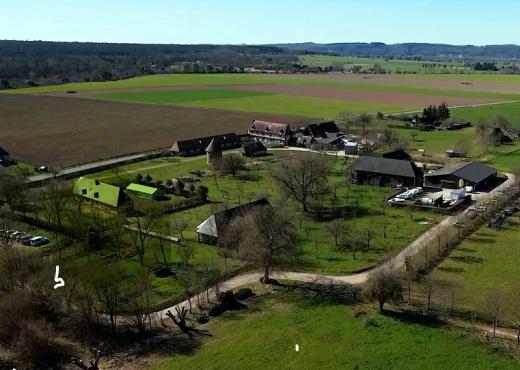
(98, 191)
(144, 191)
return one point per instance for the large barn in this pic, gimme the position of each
(197, 146)
(462, 174)
(386, 172)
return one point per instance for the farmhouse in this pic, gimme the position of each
(386, 172)
(253, 149)
(209, 231)
(4, 156)
(459, 175)
(322, 129)
(106, 194)
(197, 146)
(270, 132)
(146, 192)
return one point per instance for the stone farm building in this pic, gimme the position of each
(462, 174)
(253, 149)
(197, 146)
(95, 190)
(386, 172)
(209, 231)
(270, 132)
(143, 191)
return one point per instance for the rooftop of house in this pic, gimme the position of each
(274, 127)
(321, 129)
(215, 224)
(202, 143)
(96, 190)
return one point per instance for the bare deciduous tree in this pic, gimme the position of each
(232, 163)
(384, 286)
(336, 228)
(493, 306)
(303, 177)
(266, 234)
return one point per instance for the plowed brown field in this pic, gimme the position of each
(62, 131)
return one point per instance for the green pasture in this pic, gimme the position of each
(392, 65)
(474, 114)
(329, 337)
(298, 105)
(485, 262)
(179, 96)
(324, 80)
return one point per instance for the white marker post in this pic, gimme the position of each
(59, 281)
(297, 348)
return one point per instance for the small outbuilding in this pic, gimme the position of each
(253, 149)
(143, 191)
(213, 153)
(462, 174)
(400, 154)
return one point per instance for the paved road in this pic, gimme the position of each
(90, 167)
(394, 264)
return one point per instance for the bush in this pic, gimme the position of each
(244, 293)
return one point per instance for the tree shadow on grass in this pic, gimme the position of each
(413, 317)
(482, 240)
(467, 250)
(467, 259)
(455, 270)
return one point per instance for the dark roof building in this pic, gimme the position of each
(400, 154)
(213, 227)
(270, 132)
(321, 129)
(197, 146)
(4, 155)
(462, 174)
(253, 149)
(386, 172)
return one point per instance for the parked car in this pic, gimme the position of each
(38, 241)
(26, 239)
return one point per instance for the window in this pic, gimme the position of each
(96, 195)
(84, 191)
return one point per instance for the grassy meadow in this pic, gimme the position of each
(484, 262)
(329, 337)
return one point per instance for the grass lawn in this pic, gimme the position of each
(485, 261)
(299, 105)
(179, 96)
(473, 114)
(329, 337)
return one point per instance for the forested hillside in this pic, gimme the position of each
(32, 63)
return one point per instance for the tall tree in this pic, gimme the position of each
(385, 286)
(303, 177)
(266, 235)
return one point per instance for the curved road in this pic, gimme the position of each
(395, 263)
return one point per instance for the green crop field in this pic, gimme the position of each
(179, 96)
(329, 337)
(484, 262)
(473, 114)
(299, 105)
(392, 65)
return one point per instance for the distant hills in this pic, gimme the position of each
(407, 50)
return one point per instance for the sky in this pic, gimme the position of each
(477, 22)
